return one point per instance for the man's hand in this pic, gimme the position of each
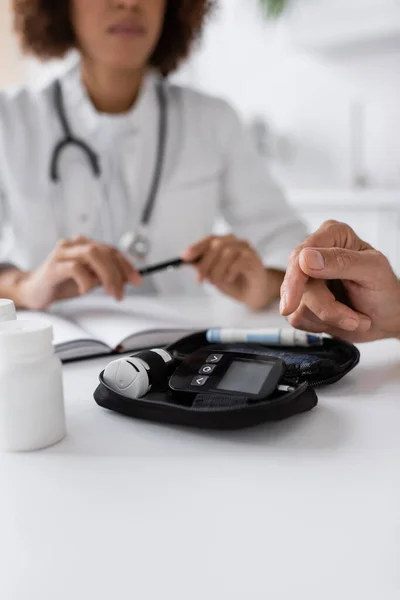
(338, 284)
(74, 268)
(235, 268)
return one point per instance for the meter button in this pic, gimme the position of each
(199, 381)
(207, 369)
(214, 358)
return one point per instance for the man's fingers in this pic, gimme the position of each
(332, 235)
(322, 303)
(362, 267)
(304, 320)
(293, 286)
(299, 320)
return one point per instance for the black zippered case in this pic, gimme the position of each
(306, 369)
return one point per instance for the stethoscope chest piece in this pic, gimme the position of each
(136, 245)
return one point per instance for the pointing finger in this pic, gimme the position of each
(362, 267)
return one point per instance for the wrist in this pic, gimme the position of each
(16, 284)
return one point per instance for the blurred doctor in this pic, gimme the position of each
(109, 166)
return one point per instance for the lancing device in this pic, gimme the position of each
(270, 337)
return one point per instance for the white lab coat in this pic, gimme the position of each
(211, 170)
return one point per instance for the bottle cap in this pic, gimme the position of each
(7, 310)
(21, 338)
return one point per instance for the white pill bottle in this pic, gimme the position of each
(32, 412)
(7, 311)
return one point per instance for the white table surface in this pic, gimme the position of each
(121, 509)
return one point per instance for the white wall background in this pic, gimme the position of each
(306, 97)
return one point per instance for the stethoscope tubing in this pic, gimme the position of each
(69, 139)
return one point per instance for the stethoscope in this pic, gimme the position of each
(136, 244)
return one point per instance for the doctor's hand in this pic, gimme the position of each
(338, 284)
(74, 268)
(235, 268)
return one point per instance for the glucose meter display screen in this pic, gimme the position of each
(244, 376)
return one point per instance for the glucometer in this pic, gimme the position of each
(255, 376)
(228, 385)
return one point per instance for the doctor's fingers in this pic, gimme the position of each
(65, 243)
(131, 274)
(246, 263)
(200, 249)
(319, 306)
(104, 263)
(222, 263)
(221, 251)
(79, 274)
(234, 261)
(78, 240)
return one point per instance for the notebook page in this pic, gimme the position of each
(65, 331)
(113, 322)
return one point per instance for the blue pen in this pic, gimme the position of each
(270, 337)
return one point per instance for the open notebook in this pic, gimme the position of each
(95, 326)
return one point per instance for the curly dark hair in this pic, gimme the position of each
(45, 30)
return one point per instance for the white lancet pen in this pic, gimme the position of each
(271, 337)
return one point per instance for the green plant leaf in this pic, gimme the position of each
(273, 8)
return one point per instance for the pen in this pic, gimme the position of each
(271, 337)
(164, 266)
(169, 264)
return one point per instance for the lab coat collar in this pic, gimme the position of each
(87, 122)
